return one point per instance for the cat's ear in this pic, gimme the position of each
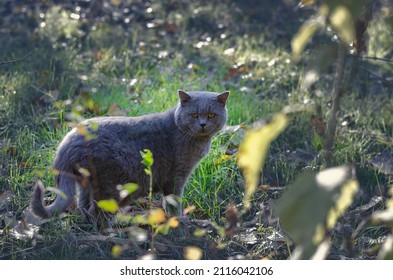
(184, 97)
(222, 97)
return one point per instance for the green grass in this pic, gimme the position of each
(140, 70)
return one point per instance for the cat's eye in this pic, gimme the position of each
(194, 115)
(211, 115)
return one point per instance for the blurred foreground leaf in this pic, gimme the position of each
(312, 204)
(128, 189)
(57, 192)
(343, 22)
(304, 35)
(341, 16)
(253, 149)
(385, 216)
(386, 251)
(108, 205)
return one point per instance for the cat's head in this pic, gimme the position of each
(200, 113)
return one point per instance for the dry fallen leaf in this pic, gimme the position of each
(232, 220)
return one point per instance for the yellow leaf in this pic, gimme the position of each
(342, 22)
(192, 253)
(116, 251)
(307, 2)
(348, 191)
(108, 205)
(156, 216)
(173, 222)
(253, 149)
(319, 234)
(304, 35)
(189, 209)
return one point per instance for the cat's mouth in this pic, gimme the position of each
(203, 132)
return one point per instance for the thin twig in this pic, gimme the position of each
(15, 60)
(377, 76)
(376, 58)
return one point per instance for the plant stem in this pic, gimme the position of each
(336, 98)
(151, 189)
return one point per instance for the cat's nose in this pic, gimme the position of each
(202, 125)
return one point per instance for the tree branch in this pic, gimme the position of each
(336, 96)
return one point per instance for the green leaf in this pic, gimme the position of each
(140, 219)
(253, 149)
(128, 189)
(147, 158)
(312, 205)
(93, 125)
(148, 171)
(163, 229)
(317, 142)
(108, 205)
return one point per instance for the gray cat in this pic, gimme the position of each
(178, 138)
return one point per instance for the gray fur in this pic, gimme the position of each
(177, 138)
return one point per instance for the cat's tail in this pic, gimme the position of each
(66, 185)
